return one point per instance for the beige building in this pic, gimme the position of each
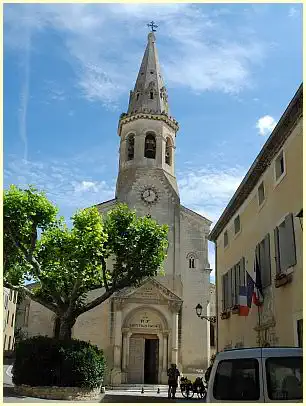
(9, 315)
(264, 217)
(143, 330)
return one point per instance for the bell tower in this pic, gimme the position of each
(147, 131)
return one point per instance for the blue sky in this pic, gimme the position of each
(230, 70)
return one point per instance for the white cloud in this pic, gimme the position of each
(104, 45)
(24, 95)
(85, 185)
(208, 190)
(293, 12)
(265, 125)
(211, 260)
(63, 182)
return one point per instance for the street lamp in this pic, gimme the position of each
(199, 309)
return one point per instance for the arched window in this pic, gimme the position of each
(191, 263)
(192, 260)
(151, 95)
(150, 146)
(130, 147)
(168, 155)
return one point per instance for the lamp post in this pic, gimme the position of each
(199, 309)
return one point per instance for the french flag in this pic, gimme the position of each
(243, 301)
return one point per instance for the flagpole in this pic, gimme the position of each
(258, 307)
(259, 323)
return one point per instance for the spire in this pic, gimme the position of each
(149, 95)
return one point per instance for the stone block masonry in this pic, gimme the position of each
(58, 393)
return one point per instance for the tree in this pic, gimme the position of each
(113, 252)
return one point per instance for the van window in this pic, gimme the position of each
(237, 379)
(284, 378)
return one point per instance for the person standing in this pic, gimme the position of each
(173, 375)
(208, 370)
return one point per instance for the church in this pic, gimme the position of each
(142, 330)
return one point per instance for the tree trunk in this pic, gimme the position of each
(63, 328)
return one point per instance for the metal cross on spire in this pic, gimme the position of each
(152, 25)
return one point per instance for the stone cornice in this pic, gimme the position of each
(126, 118)
(165, 292)
(280, 134)
(198, 218)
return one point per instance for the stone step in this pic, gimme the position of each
(138, 387)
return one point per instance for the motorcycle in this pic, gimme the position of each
(189, 389)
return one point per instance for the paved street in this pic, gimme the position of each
(111, 396)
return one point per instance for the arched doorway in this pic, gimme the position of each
(145, 346)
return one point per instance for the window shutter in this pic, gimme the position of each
(232, 286)
(290, 241)
(229, 288)
(224, 292)
(242, 272)
(267, 262)
(236, 270)
(276, 245)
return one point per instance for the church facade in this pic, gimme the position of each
(142, 330)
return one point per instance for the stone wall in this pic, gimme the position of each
(58, 393)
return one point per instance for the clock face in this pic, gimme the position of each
(149, 196)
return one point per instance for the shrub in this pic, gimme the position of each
(45, 361)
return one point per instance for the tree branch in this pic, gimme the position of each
(33, 261)
(33, 237)
(75, 288)
(32, 296)
(96, 302)
(104, 275)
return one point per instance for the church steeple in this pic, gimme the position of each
(149, 95)
(147, 131)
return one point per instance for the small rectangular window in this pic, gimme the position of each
(279, 166)
(237, 380)
(212, 335)
(285, 250)
(261, 193)
(12, 322)
(11, 294)
(237, 224)
(9, 343)
(8, 316)
(4, 343)
(225, 239)
(285, 378)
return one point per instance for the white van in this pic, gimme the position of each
(257, 375)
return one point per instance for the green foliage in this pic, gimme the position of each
(24, 213)
(69, 263)
(70, 260)
(137, 244)
(45, 361)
